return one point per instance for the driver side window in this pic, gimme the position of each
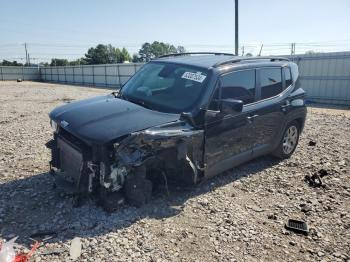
(239, 85)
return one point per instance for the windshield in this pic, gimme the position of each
(166, 87)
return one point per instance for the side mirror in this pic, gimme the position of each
(188, 117)
(194, 120)
(229, 106)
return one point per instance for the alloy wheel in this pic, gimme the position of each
(290, 140)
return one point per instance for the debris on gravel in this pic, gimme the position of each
(312, 143)
(75, 249)
(238, 216)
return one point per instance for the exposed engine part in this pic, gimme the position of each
(102, 176)
(195, 172)
(118, 175)
(166, 183)
(92, 174)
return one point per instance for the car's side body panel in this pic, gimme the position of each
(227, 137)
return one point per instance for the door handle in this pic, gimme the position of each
(250, 118)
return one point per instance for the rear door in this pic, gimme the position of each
(270, 110)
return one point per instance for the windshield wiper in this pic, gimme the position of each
(140, 103)
(132, 100)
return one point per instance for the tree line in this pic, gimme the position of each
(108, 54)
(9, 63)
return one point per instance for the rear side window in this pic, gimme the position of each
(287, 76)
(239, 85)
(271, 82)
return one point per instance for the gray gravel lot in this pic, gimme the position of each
(237, 216)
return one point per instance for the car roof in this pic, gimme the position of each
(205, 61)
(216, 60)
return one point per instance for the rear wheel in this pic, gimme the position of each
(289, 141)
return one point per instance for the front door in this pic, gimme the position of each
(229, 138)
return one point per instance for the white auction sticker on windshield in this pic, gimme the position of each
(198, 77)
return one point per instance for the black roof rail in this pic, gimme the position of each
(240, 59)
(195, 53)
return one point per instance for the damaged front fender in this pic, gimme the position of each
(176, 149)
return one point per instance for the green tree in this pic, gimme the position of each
(79, 61)
(181, 49)
(136, 58)
(118, 55)
(146, 52)
(9, 63)
(159, 48)
(311, 52)
(97, 55)
(106, 54)
(156, 49)
(58, 62)
(124, 55)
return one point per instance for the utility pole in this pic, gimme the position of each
(236, 27)
(261, 49)
(292, 49)
(25, 47)
(242, 50)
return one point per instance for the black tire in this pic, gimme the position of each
(287, 147)
(110, 201)
(138, 191)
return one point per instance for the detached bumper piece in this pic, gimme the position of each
(297, 226)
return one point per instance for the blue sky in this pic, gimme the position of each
(66, 29)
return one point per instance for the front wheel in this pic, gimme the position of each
(289, 141)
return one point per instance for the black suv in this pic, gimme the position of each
(181, 118)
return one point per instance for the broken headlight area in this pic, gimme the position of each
(54, 126)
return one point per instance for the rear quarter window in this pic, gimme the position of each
(270, 82)
(287, 76)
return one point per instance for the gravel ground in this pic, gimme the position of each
(237, 216)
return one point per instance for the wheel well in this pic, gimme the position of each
(300, 122)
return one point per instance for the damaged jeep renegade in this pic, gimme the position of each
(181, 118)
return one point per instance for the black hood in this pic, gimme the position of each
(101, 119)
